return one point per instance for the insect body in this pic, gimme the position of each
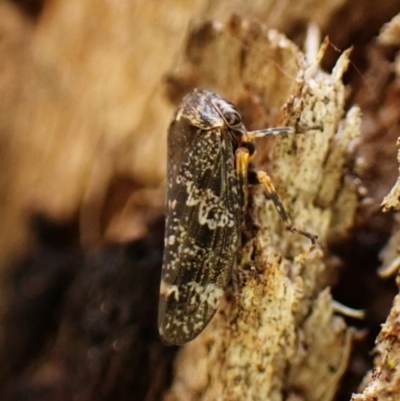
(208, 172)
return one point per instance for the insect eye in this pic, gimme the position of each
(229, 113)
(232, 118)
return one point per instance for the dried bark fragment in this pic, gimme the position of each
(379, 98)
(310, 365)
(383, 383)
(392, 199)
(262, 340)
(284, 16)
(390, 32)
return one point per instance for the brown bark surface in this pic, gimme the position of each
(88, 89)
(266, 332)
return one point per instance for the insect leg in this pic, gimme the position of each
(242, 156)
(263, 178)
(251, 135)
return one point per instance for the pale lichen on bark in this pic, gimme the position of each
(276, 333)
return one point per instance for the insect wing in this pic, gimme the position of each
(202, 229)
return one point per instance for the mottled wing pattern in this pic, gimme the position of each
(202, 228)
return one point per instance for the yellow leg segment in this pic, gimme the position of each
(266, 181)
(242, 167)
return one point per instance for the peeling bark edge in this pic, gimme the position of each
(277, 333)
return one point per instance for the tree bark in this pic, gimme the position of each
(88, 88)
(277, 333)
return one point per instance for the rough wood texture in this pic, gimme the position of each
(277, 332)
(383, 383)
(86, 89)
